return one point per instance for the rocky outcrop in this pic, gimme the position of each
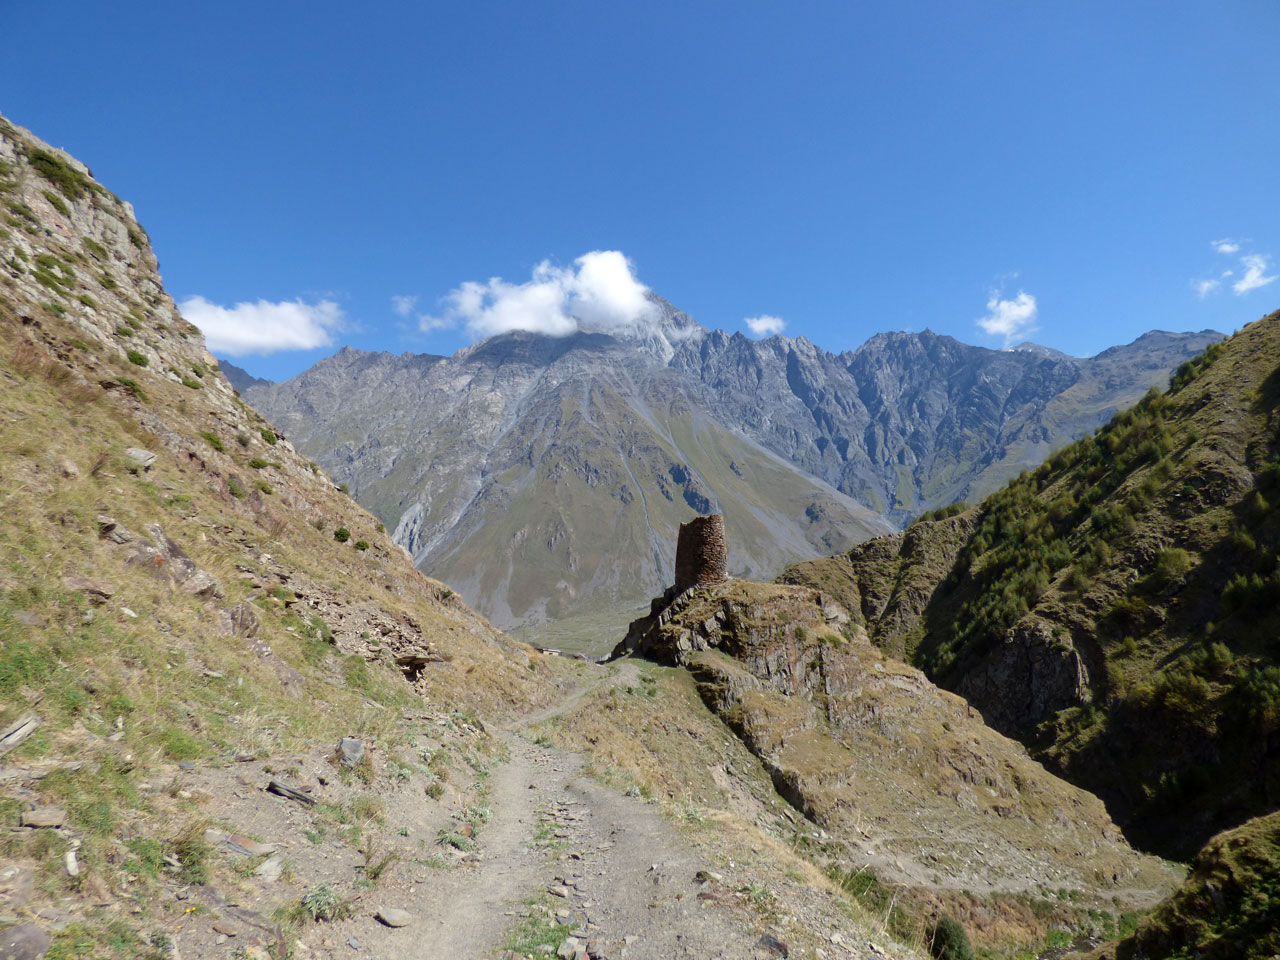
(852, 739)
(1033, 674)
(886, 584)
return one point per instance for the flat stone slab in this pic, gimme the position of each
(43, 817)
(23, 942)
(143, 458)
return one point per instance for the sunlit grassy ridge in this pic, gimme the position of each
(1144, 558)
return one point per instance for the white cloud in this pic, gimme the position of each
(263, 328)
(765, 325)
(1226, 246)
(403, 305)
(1255, 270)
(598, 293)
(1009, 318)
(1205, 287)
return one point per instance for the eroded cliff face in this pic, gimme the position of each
(854, 738)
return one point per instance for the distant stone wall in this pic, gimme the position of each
(702, 552)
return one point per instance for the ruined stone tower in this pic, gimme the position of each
(702, 552)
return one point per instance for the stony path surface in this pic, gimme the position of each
(558, 845)
(614, 865)
(619, 873)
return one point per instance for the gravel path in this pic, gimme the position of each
(607, 865)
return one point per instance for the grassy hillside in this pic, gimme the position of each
(179, 589)
(1229, 907)
(1116, 608)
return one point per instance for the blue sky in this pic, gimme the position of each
(1062, 170)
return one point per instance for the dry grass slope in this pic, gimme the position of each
(172, 592)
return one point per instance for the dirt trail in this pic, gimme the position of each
(626, 878)
(619, 674)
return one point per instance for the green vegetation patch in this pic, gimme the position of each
(70, 181)
(1229, 906)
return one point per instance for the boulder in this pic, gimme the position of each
(143, 458)
(350, 751)
(394, 916)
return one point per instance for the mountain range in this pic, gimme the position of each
(544, 477)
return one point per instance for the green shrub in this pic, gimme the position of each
(322, 904)
(237, 491)
(96, 250)
(948, 941)
(342, 534)
(269, 436)
(213, 440)
(362, 544)
(58, 203)
(942, 513)
(257, 463)
(1172, 564)
(70, 181)
(140, 359)
(133, 387)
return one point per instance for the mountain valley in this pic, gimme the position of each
(543, 477)
(237, 721)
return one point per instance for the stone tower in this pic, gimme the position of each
(702, 553)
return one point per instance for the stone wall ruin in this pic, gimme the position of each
(702, 552)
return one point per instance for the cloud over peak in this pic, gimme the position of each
(1009, 318)
(264, 327)
(599, 293)
(765, 325)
